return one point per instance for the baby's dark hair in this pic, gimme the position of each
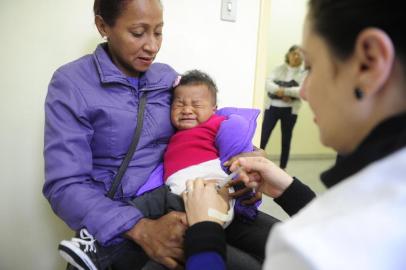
(196, 77)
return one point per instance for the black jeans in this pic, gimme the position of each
(288, 121)
(246, 240)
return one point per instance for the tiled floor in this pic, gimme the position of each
(308, 171)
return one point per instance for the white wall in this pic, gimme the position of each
(37, 37)
(197, 38)
(285, 28)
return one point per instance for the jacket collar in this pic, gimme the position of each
(385, 139)
(109, 73)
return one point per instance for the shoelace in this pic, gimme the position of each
(86, 239)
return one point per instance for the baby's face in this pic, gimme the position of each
(191, 106)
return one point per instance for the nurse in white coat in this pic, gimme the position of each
(355, 54)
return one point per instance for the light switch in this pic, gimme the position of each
(229, 10)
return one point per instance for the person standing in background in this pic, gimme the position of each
(283, 101)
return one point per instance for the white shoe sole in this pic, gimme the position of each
(78, 253)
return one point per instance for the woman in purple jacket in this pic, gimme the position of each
(91, 113)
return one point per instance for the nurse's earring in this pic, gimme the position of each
(358, 93)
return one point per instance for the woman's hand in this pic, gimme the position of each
(263, 175)
(280, 92)
(287, 99)
(201, 196)
(162, 239)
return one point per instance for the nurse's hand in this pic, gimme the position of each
(202, 198)
(257, 152)
(262, 175)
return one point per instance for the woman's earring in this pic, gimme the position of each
(359, 94)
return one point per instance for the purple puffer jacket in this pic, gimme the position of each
(90, 118)
(235, 137)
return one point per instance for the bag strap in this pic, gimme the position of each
(132, 148)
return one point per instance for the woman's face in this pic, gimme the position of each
(329, 90)
(136, 37)
(295, 58)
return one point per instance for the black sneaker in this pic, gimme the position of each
(80, 251)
